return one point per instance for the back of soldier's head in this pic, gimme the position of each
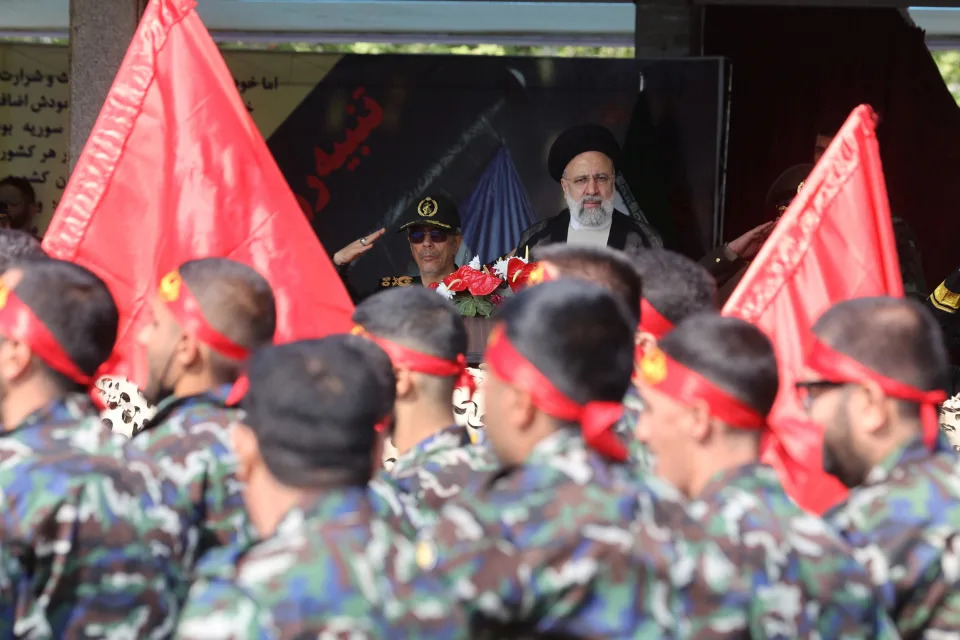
(895, 337)
(236, 301)
(576, 334)
(75, 306)
(422, 320)
(729, 352)
(414, 317)
(16, 245)
(314, 405)
(606, 267)
(675, 285)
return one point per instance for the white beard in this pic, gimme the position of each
(583, 218)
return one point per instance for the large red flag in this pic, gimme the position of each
(835, 242)
(175, 169)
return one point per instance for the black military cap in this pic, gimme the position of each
(435, 209)
(786, 187)
(577, 140)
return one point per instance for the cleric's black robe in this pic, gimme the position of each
(626, 233)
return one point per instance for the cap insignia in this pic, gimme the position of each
(427, 208)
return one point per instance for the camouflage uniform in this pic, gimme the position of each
(438, 468)
(549, 548)
(189, 438)
(100, 551)
(330, 570)
(811, 585)
(626, 428)
(904, 523)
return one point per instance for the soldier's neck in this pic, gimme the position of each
(436, 276)
(713, 460)
(417, 421)
(193, 384)
(25, 398)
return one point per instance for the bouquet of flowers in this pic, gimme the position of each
(518, 272)
(473, 290)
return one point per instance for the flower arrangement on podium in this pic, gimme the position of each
(473, 289)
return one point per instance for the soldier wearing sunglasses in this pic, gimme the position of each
(432, 225)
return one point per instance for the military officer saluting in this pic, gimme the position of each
(432, 224)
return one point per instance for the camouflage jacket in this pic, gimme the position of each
(329, 570)
(189, 438)
(831, 585)
(904, 523)
(626, 429)
(549, 548)
(438, 469)
(99, 551)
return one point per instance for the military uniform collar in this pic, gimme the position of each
(450, 437)
(170, 404)
(911, 451)
(340, 508)
(72, 407)
(744, 476)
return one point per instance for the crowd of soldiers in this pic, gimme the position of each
(617, 492)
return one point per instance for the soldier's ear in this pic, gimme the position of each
(15, 358)
(700, 424)
(404, 383)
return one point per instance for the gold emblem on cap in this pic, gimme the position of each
(426, 555)
(653, 366)
(800, 186)
(4, 294)
(427, 208)
(170, 286)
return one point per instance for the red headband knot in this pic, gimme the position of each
(666, 375)
(652, 321)
(186, 310)
(839, 367)
(18, 322)
(596, 419)
(407, 358)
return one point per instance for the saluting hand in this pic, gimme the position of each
(356, 248)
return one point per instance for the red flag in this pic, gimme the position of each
(835, 242)
(175, 169)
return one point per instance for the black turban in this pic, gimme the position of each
(577, 140)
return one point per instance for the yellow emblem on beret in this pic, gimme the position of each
(358, 330)
(4, 294)
(170, 286)
(653, 366)
(426, 555)
(427, 208)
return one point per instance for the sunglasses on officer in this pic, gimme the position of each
(417, 236)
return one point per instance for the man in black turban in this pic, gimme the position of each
(583, 160)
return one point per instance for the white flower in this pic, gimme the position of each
(444, 291)
(475, 263)
(500, 268)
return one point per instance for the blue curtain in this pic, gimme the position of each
(497, 211)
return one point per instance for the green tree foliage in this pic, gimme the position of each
(456, 49)
(949, 64)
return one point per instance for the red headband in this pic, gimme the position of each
(686, 386)
(185, 308)
(406, 358)
(18, 322)
(652, 321)
(839, 367)
(596, 418)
